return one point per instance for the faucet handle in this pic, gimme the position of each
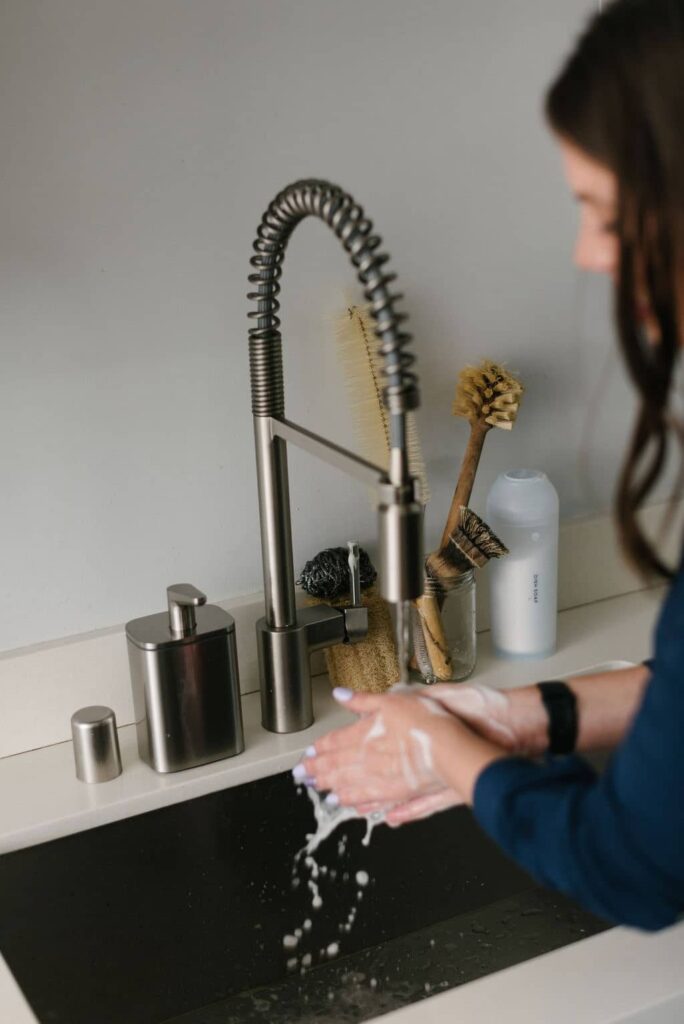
(354, 573)
(183, 598)
(356, 615)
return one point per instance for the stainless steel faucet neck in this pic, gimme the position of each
(285, 680)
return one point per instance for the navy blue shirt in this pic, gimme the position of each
(614, 842)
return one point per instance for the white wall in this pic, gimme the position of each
(141, 141)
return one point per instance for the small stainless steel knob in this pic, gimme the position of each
(96, 744)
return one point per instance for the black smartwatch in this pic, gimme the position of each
(561, 707)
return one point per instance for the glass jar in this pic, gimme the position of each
(458, 615)
(458, 625)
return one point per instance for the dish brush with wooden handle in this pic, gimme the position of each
(487, 396)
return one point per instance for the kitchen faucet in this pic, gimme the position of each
(286, 636)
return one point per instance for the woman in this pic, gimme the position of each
(615, 842)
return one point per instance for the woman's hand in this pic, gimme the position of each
(422, 807)
(515, 720)
(405, 747)
(391, 755)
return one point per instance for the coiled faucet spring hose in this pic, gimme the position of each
(349, 222)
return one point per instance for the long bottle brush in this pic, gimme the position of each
(362, 370)
(371, 664)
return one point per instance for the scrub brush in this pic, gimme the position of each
(487, 396)
(472, 545)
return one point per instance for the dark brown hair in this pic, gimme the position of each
(620, 99)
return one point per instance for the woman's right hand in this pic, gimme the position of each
(515, 719)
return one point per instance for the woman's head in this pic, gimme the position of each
(617, 108)
(597, 248)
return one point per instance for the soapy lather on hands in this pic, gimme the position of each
(411, 753)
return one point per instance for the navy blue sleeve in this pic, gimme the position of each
(614, 842)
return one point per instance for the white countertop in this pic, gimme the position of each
(618, 975)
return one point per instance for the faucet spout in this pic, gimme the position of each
(286, 637)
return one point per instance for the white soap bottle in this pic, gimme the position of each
(522, 509)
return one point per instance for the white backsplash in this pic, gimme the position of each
(141, 144)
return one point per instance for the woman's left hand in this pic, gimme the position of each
(388, 757)
(395, 753)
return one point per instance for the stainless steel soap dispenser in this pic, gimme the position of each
(186, 691)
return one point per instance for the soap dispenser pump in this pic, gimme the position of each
(186, 691)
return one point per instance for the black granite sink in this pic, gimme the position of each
(178, 915)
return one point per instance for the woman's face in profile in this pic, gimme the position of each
(597, 247)
(594, 187)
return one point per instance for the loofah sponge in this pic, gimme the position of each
(370, 666)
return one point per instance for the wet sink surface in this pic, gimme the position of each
(178, 915)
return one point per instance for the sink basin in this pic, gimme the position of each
(178, 915)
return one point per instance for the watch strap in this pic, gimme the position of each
(561, 707)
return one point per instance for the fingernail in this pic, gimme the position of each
(299, 772)
(332, 800)
(342, 693)
(310, 752)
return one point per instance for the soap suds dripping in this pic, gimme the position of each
(327, 819)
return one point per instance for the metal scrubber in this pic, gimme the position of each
(327, 575)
